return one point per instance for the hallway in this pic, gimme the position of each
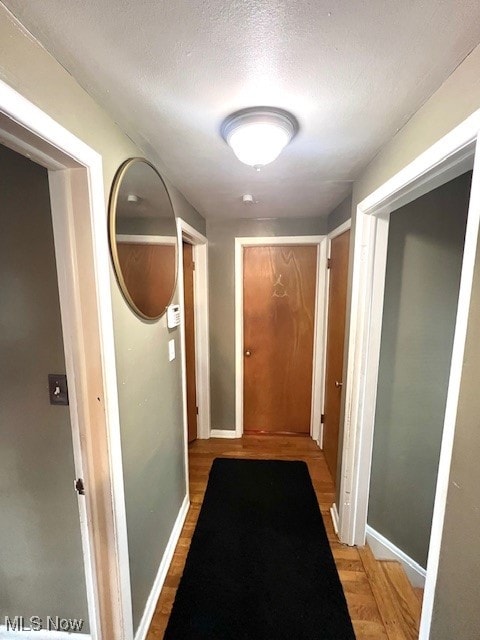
(374, 617)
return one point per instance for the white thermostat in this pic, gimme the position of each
(173, 316)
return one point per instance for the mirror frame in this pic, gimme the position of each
(112, 236)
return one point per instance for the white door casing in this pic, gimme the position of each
(81, 248)
(186, 232)
(449, 157)
(318, 343)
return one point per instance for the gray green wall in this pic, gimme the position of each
(456, 614)
(148, 387)
(183, 209)
(340, 214)
(151, 426)
(41, 558)
(456, 598)
(424, 260)
(152, 443)
(221, 256)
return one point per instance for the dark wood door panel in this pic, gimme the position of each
(188, 288)
(337, 305)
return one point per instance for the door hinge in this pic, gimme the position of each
(193, 266)
(322, 419)
(80, 487)
(196, 410)
(329, 263)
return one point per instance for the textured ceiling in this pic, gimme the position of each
(169, 72)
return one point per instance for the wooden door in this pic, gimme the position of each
(188, 270)
(337, 306)
(279, 284)
(143, 265)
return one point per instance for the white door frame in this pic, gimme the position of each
(319, 325)
(81, 247)
(199, 242)
(345, 226)
(446, 159)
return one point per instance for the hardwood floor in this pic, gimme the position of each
(381, 602)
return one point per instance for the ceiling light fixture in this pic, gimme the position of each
(257, 135)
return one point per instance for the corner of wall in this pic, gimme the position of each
(340, 214)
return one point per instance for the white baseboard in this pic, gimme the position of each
(334, 514)
(41, 635)
(144, 625)
(223, 433)
(320, 439)
(383, 549)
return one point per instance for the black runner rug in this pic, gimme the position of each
(260, 565)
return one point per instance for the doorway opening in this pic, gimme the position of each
(190, 342)
(43, 571)
(78, 220)
(336, 309)
(279, 334)
(422, 281)
(193, 294)
(449, 158)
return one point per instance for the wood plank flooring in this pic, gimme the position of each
(382, 605)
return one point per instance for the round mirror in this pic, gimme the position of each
(143, 238)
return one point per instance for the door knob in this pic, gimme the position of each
(338, 384)
(248, 353)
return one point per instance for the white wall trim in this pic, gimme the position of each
(223, 433)
(149, 610)
(345, 226)
(192, 234)
(383, 549)
(371, 234)
(252, 241)
(142, 239)
(41, 635)
(81, 245)
(62, 221)
(319, 354)
(334, 515)
(238, 338)
(202, 329)
(317, 376)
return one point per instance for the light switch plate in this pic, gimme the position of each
(57, 388)
(171, 350)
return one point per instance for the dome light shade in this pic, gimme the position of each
(258, 135)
